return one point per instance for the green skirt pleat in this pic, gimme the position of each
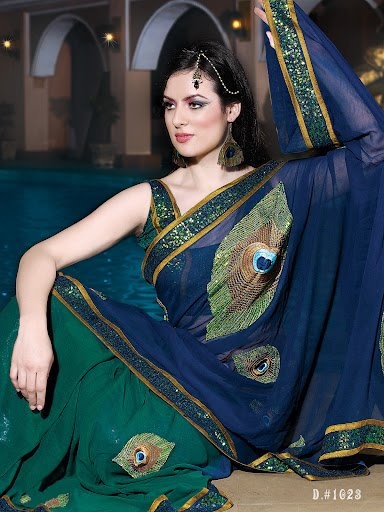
(97, 411)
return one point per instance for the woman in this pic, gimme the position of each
(270, 354)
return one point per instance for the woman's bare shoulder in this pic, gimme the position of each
(174, 178)
(143, 189)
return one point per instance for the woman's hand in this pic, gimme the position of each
(31, 363)
(259, 11)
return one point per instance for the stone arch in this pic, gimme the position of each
(146, 57)
(51, 41)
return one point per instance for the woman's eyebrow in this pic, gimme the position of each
(193, 96)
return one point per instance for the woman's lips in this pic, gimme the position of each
(183, 137)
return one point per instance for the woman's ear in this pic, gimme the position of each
(233, 111)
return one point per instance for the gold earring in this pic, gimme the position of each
(178, 159)
(231, 153)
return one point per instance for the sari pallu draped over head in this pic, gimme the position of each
(272, 287)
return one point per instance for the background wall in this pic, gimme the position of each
(11, 75)
(51, 112)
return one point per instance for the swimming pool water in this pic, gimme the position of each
(37, 204)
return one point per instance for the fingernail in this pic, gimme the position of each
(32, 407)
(40, 407)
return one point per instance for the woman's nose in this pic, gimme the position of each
(179, 118)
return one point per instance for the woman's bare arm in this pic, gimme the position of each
(32, 355)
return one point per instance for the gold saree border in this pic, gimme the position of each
(226, 506)
(191, 211)
(312, 478)
(353, 425)
(158, 501)
(156, 504)
(287, 78)
(376, 447)
(285, 456)
(200, 495)
(120, 333)
(188, 504)
(212, 194)
(39, 507)
(213, 224)
(261, 459)
(176, 209)
(154, 217)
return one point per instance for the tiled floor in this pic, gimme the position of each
(265, 492)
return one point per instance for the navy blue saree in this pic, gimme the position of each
(272, 343)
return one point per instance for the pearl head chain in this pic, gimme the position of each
(196, 79)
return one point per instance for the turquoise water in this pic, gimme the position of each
(37, 204)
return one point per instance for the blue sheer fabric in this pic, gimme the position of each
(273, 287)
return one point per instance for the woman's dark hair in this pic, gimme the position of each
(245, 130)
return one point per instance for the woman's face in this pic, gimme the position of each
(196, 121)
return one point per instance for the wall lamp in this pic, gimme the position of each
(9, 45)
(109, 35)
(237, 23)
(240, 20)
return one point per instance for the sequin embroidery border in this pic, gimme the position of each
(350, 438)
(208, 499)
(7, 506)
(286, 463)
(166, 211)
(189, 228)
(295, 62)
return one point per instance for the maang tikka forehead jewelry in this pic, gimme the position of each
(196, 79)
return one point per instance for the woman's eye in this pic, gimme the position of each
(167, 105)
(195, 104)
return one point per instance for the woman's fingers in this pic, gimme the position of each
(32, 359)
(270, 39)
(41, 388)
(31, 390)
(259, 11)
(22, 381)
(261, 14)
(13, 375)
(32, 385)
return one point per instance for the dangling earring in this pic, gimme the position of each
(178, 159)
(231, 153)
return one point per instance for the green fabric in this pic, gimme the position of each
(96, 407)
